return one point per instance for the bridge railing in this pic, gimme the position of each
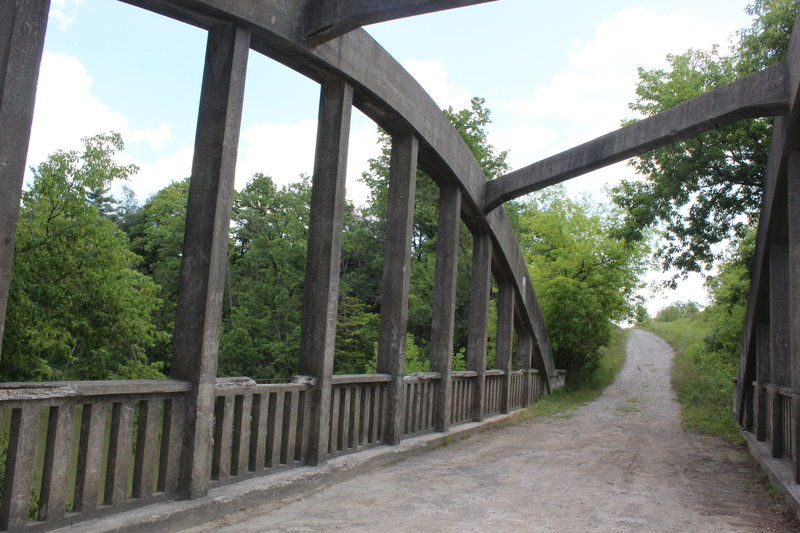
(258, 428)
(463, 385)
(358, 412)
(418, 402)
(80, 449)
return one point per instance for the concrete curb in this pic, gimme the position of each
(273, 490)
(778, 470)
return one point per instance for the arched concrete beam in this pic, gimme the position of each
(762, 94)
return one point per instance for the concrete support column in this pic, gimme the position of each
(321, 293)
(443, 309)
(524, 355)
(205, 246)
(780, 363)
(22, 28)
(793, 212)
(480, 287)
(762, 373)
(396, 275)
(505, 339)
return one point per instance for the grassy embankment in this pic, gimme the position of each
(574, 395)
(701, 380)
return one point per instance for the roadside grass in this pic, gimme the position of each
(701, 380)
(566, 400)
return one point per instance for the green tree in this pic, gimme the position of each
(585, 279)
(705, 190)
(77, 307)
(676, 311)
(264, 297)
(156, 232)
(729, 290)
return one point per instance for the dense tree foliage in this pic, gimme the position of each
(706, 190)
(264, 297)
(677, 311)
(77, 308)
(585, 278)
(97, 280)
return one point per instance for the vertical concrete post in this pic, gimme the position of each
(443, 309)
(480, 287)
(793, 212)
(396, 275)
(762, 378)
(780, 363)
(22, 28)
(505, 339)
(205, 246)
(524, 355)
(321, 292)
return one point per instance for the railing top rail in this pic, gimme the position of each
(70, 389)
(355, 379)
(495, 372)
(464, 374)
(422, 376)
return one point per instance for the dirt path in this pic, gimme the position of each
(621, 463)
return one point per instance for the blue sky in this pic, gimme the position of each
(553, 73)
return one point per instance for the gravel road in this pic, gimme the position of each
(620, 463)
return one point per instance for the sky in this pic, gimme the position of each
(554, 74)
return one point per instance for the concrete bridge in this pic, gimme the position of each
(194, 432)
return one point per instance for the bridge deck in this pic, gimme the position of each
(621, 463)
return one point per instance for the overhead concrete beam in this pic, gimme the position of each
(762, 94)
(328, 19)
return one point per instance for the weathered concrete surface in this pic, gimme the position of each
(327, 20)
(763, 94)
(621, 463)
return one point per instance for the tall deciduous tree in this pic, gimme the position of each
(705, 190)
(77, 308)
(264, 297)
(585, 278)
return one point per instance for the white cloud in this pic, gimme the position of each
(66, 111)
(525, 143)
(282, 151)
(432, 75)
(285, 151)
(155, 175)
(594, 90)
(61, 12)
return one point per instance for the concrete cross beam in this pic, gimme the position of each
(328, 19)
(759, 95)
